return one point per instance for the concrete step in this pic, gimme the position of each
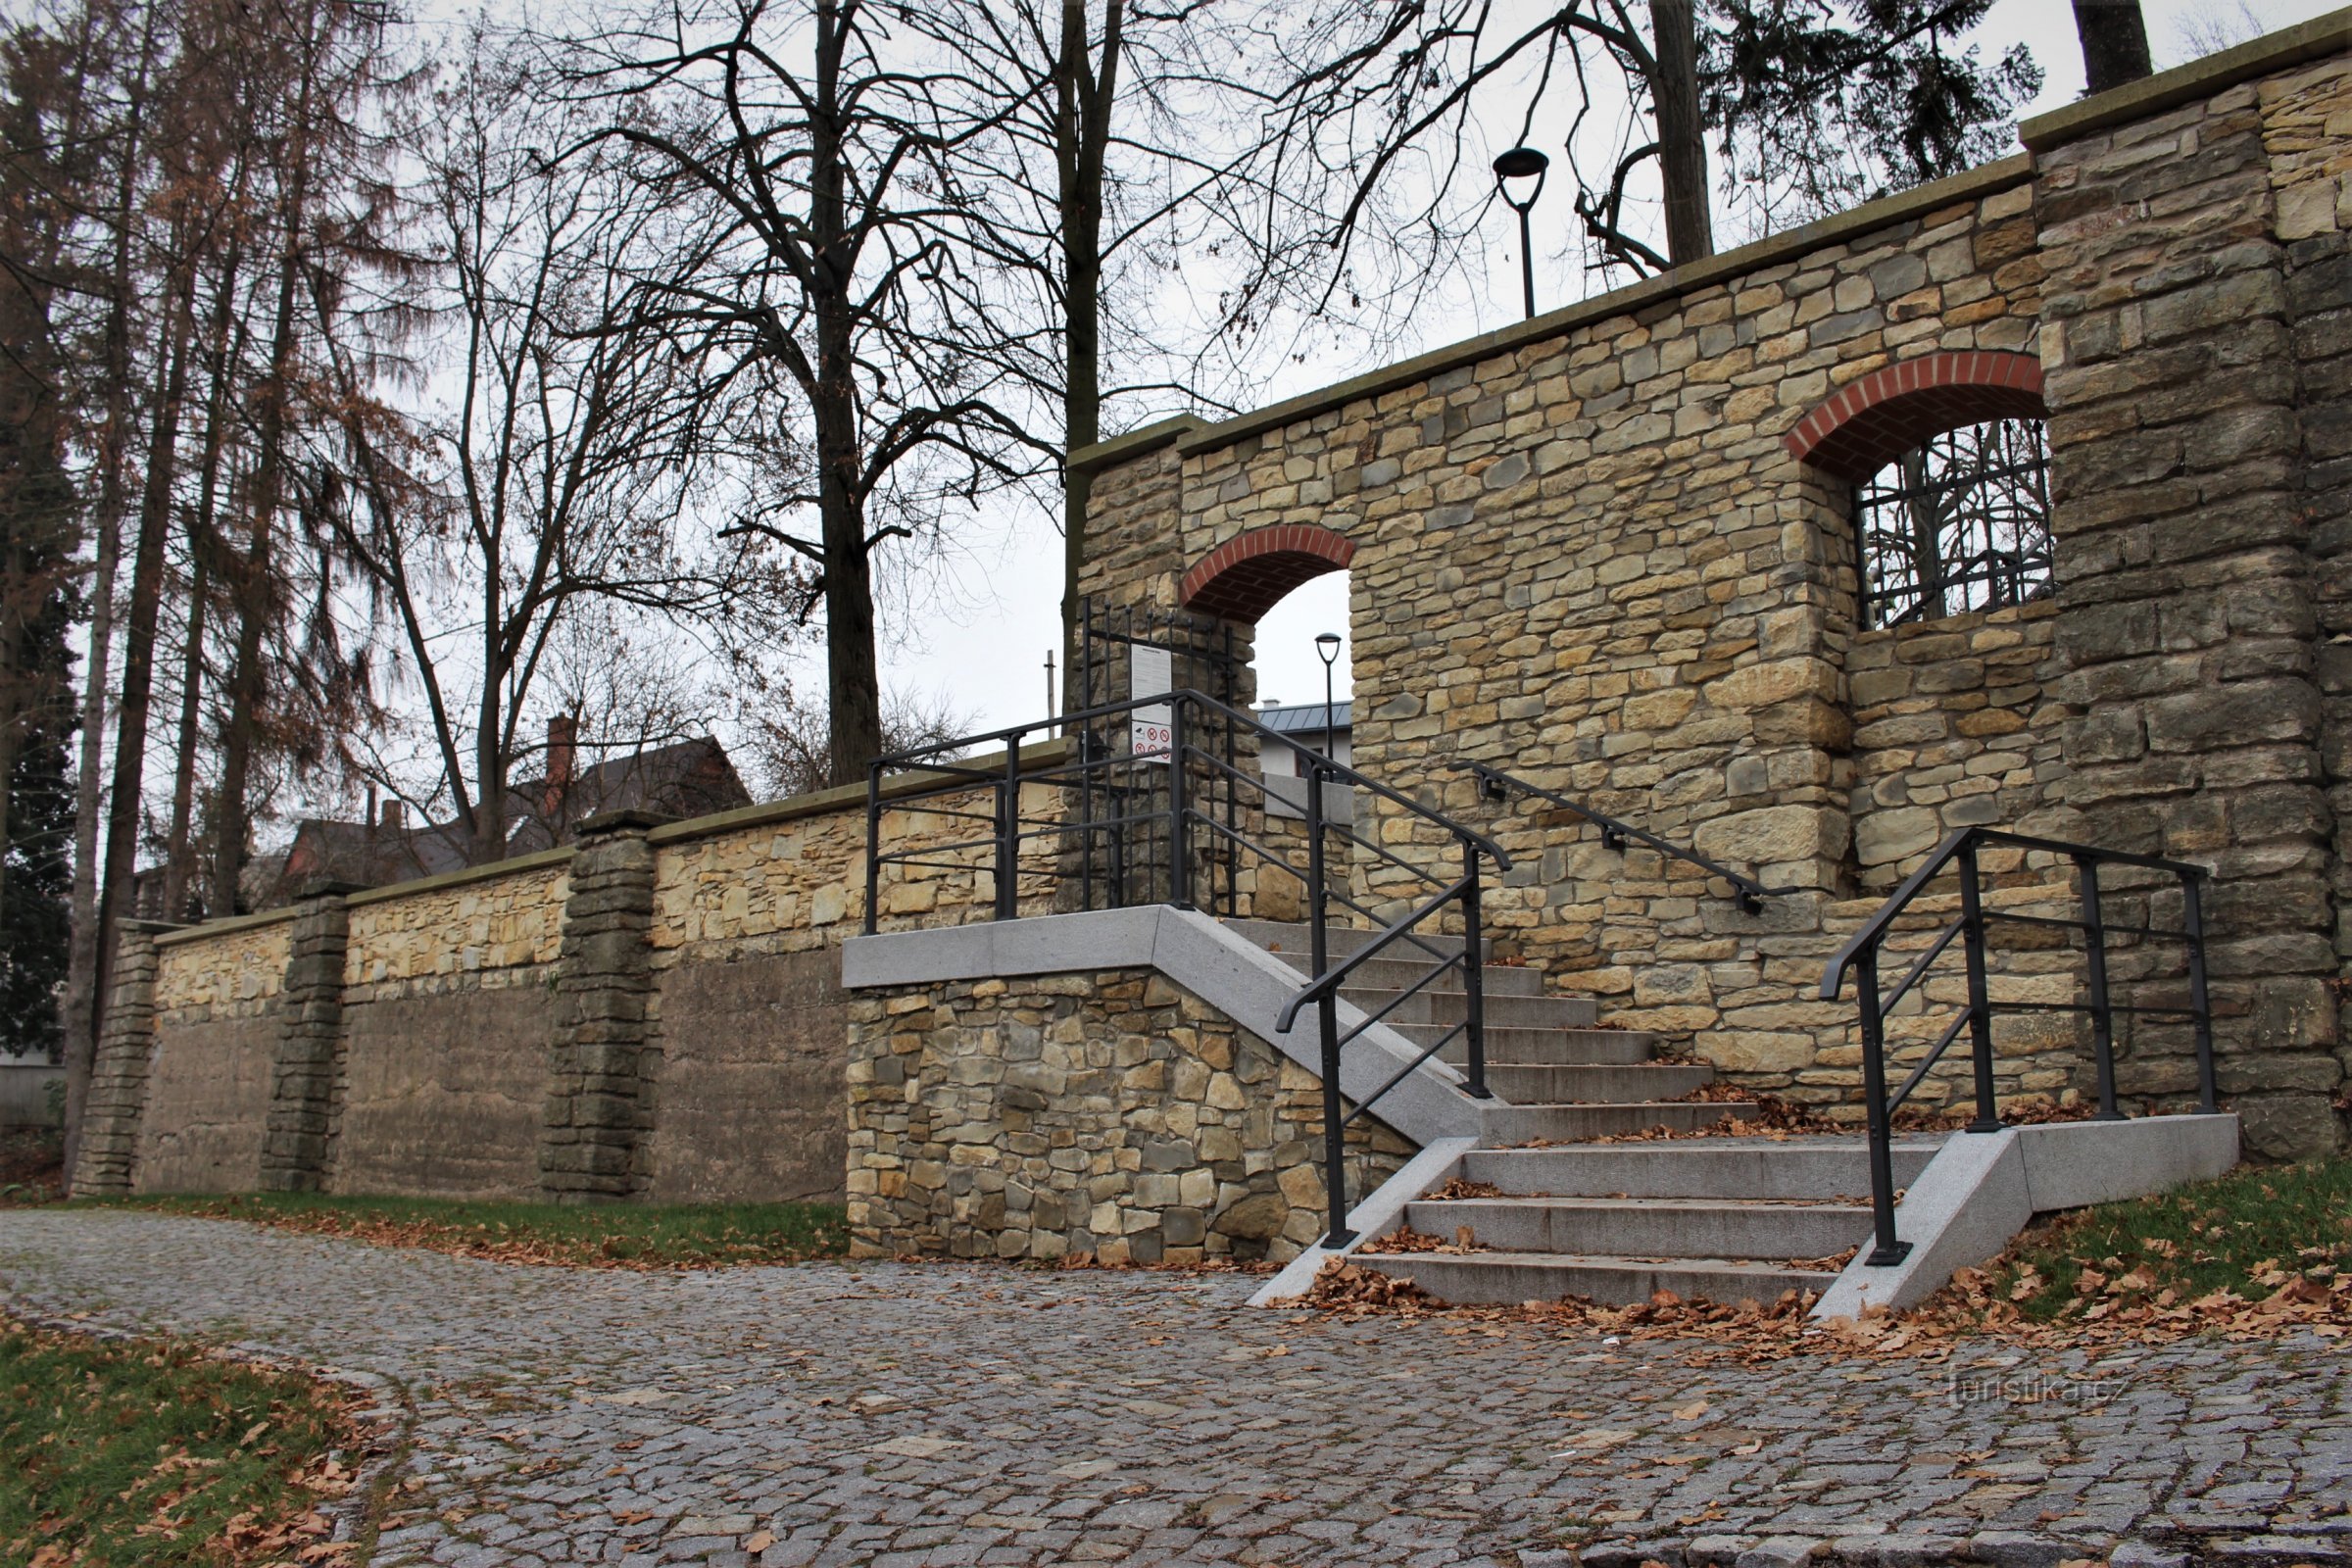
(1813, 1167)
(1545, 1047)
(1432, 1006)
(1566, 1124)
(1492, 1279)
(1395, 974)
(1647, 1227)
(1590, 1084)
(1287, 939)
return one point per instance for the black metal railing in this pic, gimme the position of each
(1615, 833)
(1957, 854)
(1167, 812)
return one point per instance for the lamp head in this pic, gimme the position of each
(1327, 647)
(1520, 162)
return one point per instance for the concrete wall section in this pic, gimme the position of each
(441, 1093)
(215, 1032)
(754, 1058)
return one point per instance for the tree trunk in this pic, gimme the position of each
(1082, 126)
(1681, 137)
(252, 585)
(87, 957)
(177, 847)
(138, 635)
(853, 683)
(2115, 43)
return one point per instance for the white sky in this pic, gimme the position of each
(985, 655)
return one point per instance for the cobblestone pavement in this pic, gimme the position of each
(961, 1414)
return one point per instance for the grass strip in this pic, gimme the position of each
(642, 1236)
(133, 1453)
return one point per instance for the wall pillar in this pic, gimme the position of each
(110, 1122)
(593, 1143)
(304, 1072)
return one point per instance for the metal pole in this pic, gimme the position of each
(2194, 922)
(1327, 1020)
(2095, 962)
(873, 841)
(1888, 1251)
(1008, 832)
(1527, 261)
(1474, 985)
(1980, 1002)
(1180, 860)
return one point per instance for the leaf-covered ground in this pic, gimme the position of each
(656, 1236)
(129, 1452)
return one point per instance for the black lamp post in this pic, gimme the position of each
(1327, 648)
(1523, 163)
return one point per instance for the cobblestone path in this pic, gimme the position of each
(956, 1414)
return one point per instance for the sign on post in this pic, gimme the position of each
(1149, 673)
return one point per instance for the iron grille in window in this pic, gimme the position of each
(1960, 524)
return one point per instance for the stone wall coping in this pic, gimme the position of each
(229, 926)
(1191, 435)
(1134, 444)
(2182, 84)
(767, 813)
(1222, 967)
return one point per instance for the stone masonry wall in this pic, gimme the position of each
(1109, 1113)
(657, 1016)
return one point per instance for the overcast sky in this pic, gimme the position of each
(982, 646)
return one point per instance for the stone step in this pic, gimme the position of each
(1811, 1167)
(1506, 1278)
(1647, 1227)
(1591, 1084)
(1544, 1047)
(1285, 938)
(1395, 974)
(1566, 1124)
(1448, 1008)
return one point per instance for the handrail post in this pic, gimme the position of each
(2192, 909)
(2094, 964)
(1180, 860)
(1888, 1251)
(1980, 999)
(1008, 832)
(1327, 1019)
(873, 842)
(1474, 994)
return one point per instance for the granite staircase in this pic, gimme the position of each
(1548, 1212)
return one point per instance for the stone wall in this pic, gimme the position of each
(656, 1014)
(1110, 1113)
(1613, 550)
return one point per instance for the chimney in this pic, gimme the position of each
(396, 816)
(563, 738)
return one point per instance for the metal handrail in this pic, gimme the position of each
(1187, 713)
(1496, 785)
(1959, 852)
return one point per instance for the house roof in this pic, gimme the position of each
(688, 778)
(1307, 719)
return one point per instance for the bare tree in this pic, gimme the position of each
(822, 159)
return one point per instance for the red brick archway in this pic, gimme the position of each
(1248, 575)
(1889, 412)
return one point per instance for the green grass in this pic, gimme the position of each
(2248, 1232)
(122, 1452)
(625, 1235)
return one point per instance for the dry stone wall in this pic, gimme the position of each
(1107, 1113)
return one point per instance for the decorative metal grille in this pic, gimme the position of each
(1960, 524)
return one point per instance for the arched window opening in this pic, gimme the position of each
(1958, 523)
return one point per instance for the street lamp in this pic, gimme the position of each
(1327, 648)
(1517, 165)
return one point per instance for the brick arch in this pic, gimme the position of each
(1249, 575)
(1889, 412)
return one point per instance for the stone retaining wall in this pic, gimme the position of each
(1110, 1113)
(656, 1014)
